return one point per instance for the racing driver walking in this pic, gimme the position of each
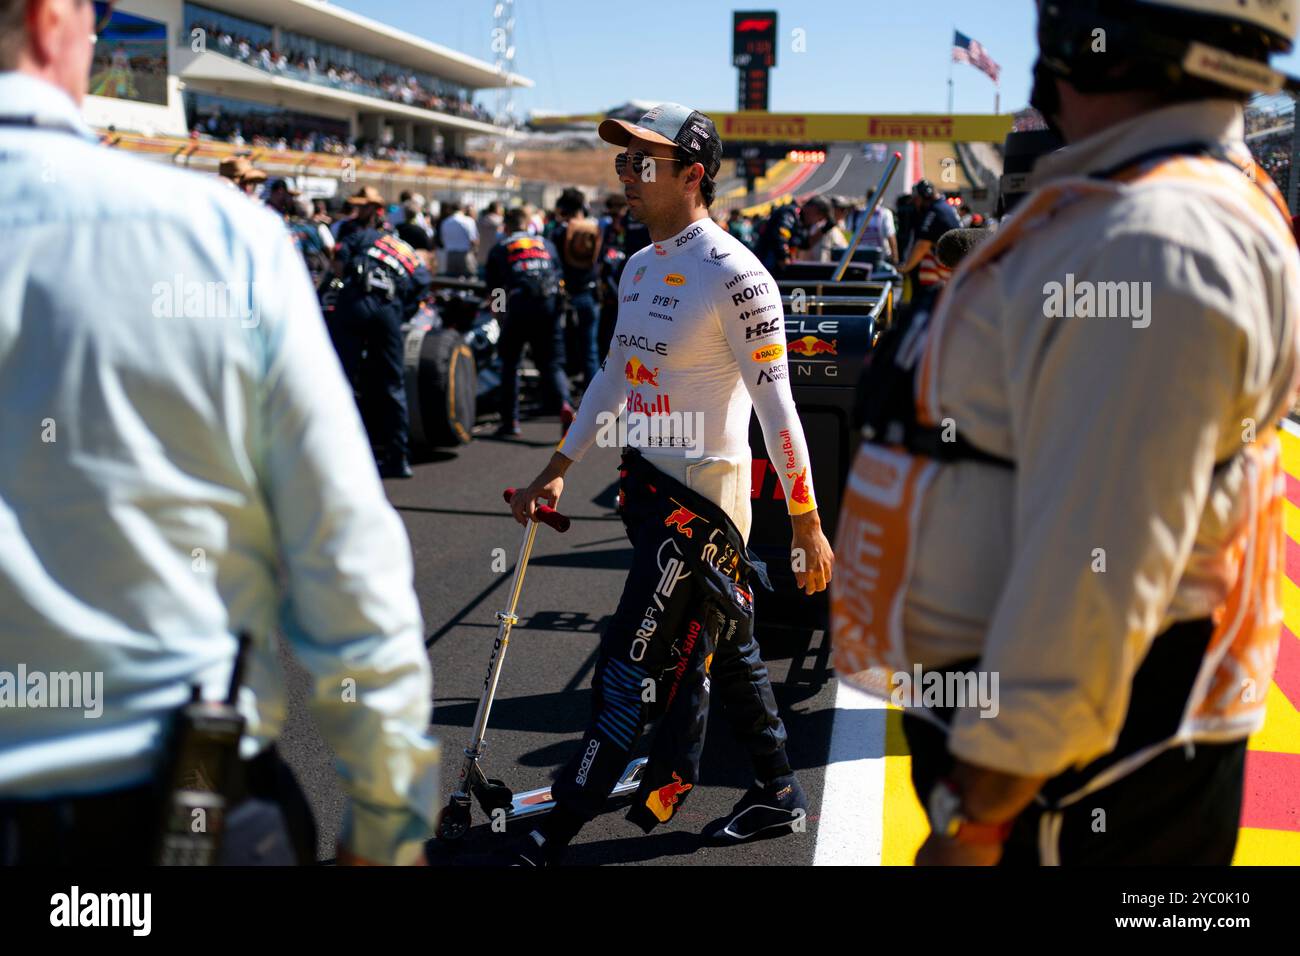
(699, 344)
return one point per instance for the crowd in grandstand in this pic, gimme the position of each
(1273, 153)
(281, 133)
(1270, 136)
(396, 87)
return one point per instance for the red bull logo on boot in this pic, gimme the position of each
(663, 802)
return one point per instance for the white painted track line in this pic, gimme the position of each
(850, 827)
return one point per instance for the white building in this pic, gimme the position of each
(302, 74)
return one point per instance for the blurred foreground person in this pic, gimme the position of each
(182, 463)
(1062, 541)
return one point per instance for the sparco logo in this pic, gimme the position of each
(587, 759)
(737, 280)
(688, 237)
(749, 292)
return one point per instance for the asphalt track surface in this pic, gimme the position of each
(455, 517)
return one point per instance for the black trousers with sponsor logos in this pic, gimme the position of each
(660, 611)
(1182, 807)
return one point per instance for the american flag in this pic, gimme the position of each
(966, 50)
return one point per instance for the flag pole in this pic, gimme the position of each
(952, 65)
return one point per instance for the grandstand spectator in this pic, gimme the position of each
(741, 228)
(491, 222)
(934, 218)
(459, 235)
(780, 238)
(534, 222)
(821, 240)
(841, 206)
(239, 171)
(577, 237)
(368, 214)
(314, 242)
(881, 233)
(415, 229)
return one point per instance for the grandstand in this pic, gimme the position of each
(301, 87)
(1270, 133)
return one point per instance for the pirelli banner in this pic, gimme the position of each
(794, 128)
(852, 128)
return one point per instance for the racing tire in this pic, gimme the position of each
(441, 389)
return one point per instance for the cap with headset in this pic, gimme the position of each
(1172, 44)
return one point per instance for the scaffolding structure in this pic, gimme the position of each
(503, 46)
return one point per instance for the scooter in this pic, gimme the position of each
(492, 794)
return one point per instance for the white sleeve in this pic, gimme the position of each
(755, 331)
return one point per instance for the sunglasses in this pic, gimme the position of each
(638, 161)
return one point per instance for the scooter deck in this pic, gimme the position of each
(536, 802)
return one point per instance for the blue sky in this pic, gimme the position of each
(865, 56)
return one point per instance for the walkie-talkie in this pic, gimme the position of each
(202, 754)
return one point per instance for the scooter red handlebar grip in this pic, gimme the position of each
(544, 513)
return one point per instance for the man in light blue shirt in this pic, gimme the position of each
(180, 461)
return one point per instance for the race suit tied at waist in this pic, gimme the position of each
(720, 568)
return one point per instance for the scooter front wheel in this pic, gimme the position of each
(454, 821)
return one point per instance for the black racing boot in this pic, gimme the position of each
(395, 468)
(766, 810)
(532, 849)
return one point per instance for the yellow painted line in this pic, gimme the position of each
(1291, 520)
(905, 827)
(1290, 452)
(1267, 848)
(1281, 730)
(905, 823)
